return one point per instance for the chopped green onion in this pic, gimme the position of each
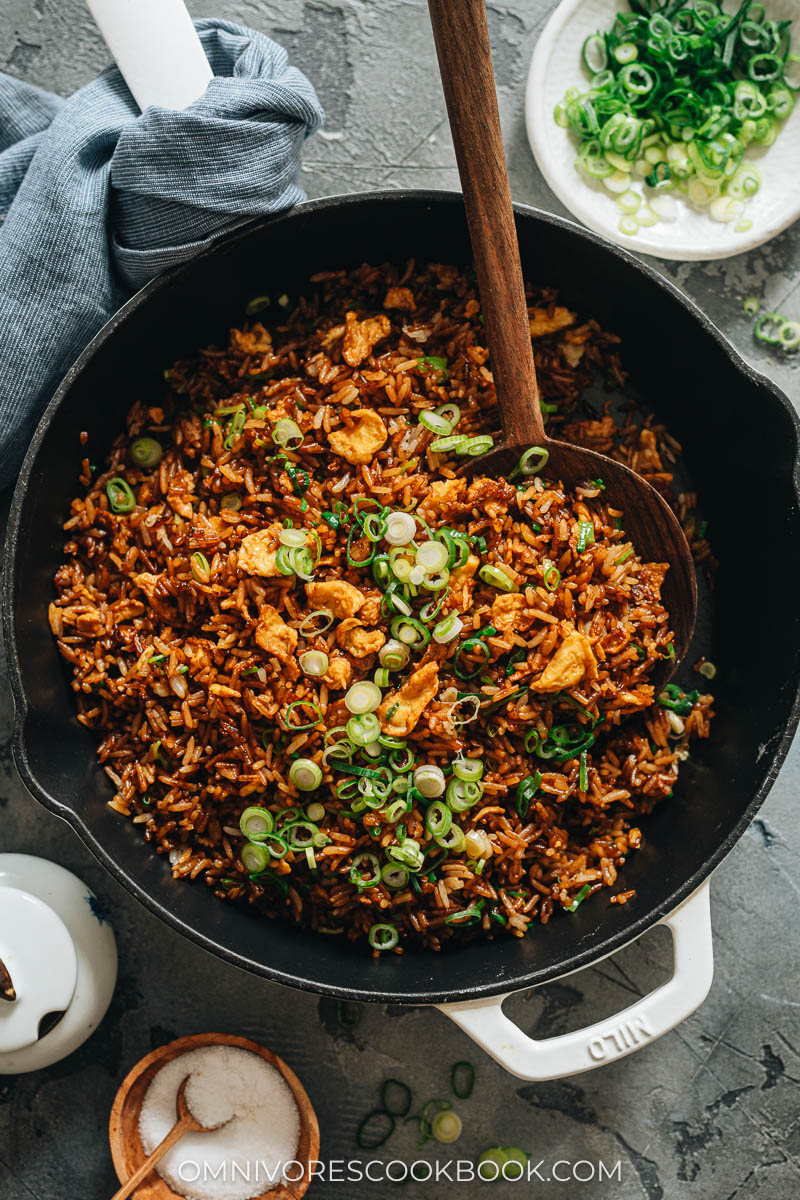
(256, 305)
(496, 577)
(231, 503)
(146, 452)
(583, 777)
(410, 631)
(579, 898)
(287, 433)
(462, 1079)
(396, 1097)
(314, 662)
(439, 365)
(378, 1126)
(305, 774)
(363, 697)
(318, 621)
(585, 535)
(468, 769)
(365, 870)
(394, 876)
(120, 496)
(533, 460)
(526, 791)
(429, 780)
(552, 576)
(383, 936)
(363, 728)
(789, 335)
(255, 823)
(394, 654)
(447, 1127)
(255, 857)
(751, 306)
(708, 670)
(438, 819)
(400, 528)
(298, 706)
(201, 571)
(448, 629)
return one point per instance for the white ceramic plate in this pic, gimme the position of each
(556, 65)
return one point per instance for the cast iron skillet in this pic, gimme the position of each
(735, 426)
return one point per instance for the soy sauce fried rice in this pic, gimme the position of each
(337, 682)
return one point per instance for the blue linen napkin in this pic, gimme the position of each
(96, 199)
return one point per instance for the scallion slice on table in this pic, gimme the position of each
(376, 1128)
(462, 1079)
(396, 1097)
(495, 1162)
(447, 1126)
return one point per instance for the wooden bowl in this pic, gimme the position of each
(128, 1153)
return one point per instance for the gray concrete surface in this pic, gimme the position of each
(711, 1111)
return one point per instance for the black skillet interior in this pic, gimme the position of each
(740, 438)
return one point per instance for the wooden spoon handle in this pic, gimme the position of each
(181, 1126)
(465, 60)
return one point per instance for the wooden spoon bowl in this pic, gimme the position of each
(128, 1153)
(465, 61)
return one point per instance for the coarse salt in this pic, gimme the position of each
(251, 1153)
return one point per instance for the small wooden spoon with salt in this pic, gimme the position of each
(465, 61)
(185, 1123)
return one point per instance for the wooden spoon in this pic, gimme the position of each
(465, 60)
(186, 1123)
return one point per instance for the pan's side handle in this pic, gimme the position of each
(156, 48)
(584, 1049)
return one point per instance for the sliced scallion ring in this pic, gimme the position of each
(429, 780)
(363, 697)
(383, 936)
(255, 823)
(287, 433)
(305, 774)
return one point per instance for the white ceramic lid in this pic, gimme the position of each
(39, 956)
(61, 957)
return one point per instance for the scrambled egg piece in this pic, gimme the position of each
(441, 493)
(573, 661)
(257, 340)
(358, 641)
(338, 595)
(507, 611)
(361, 336)
(461, 575)
(361, 441)
(401, 710)
(370, 614)
(337, 675)
(258, 552)
(181, 486)
(273, 635)
(543, 322)
(400, 297)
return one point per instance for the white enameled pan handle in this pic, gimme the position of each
(584, 1049)
(156, 48)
